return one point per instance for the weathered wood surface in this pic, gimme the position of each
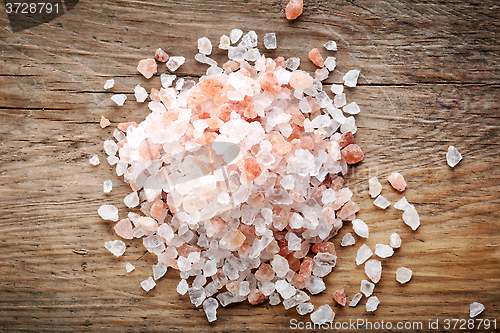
(430, 79)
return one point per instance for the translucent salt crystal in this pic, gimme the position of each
(159, 271)
(381, 202)
(305, 308)
(349, 125)
(131, 200)
(355, 300)
(374, 187)
(395, 241)
(196, 295)
(304, 106)
(337, 89)
(160, 55)
(109, 84)
(402, 204)
(293, 9)
(324, 314)
(475, 309)
(316, 285)
(147, 67)
(166, 80)
(351, 108)
(292, 63)
(323, 99)
(288, 182)
(244, 288)
(200, 57)
(224, 42)
(227, 298)
(249, 40)
(112, 160)
(204, 45)
(339, 100)
(94, 160)
(328, 196)
(235, 35)
(252, 54)
(140, 93)
(236, 53)
(453, 156)
(148, 284)
(403, 275)
(373, 269)
(174, 63)
(360, 228)
(223, 198)
(280, 265)
(104, 122)
(383, 251)
(119, 99)
(270, 41)
(351, 78)
(411, 218)
(108, 212)
(330, 63)
(199, 281)
(210, 267)
(331, 45)
(363, 254)
(285, 289)
(321, 74)
(347, 240)
(294, 241)
(117, 247)
(129, 267)
(110, 147)
(372, 304)
(107, 186)
(210, 306)
(297, 299)
(274, 299)
(367, 288)
(182, 287)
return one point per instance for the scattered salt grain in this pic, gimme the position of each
(224, 42)
(351, 78)
(360, 228)
(402, 204)
(453, 156)
(324, 314)
(107, 186)
(235, 35)
(397, 181)
(339, 100)
(131, 200)
(347, 240)
(403, 275)
(363, 254)
(293, 9)
(249, 40)
(411, 218)
(129, 267)
(367, 288)
(305, 308)
(383, 251)
(381, 202)
(330, 63)
(166, 80)
(475, 309)
(109, 84)
(331, 45)
(104, 122)
(148, 284)
(292, 63)
(174, 63)
(372, 304)
(108, 212)
(119, 99)
(316, 285)
(159, 270)
(373, 269)
(395, 241)
(339, 297)
(140, 93)
(210, 306)
(117, 247)
(274, 299)
(182, 287)
(94, 160)
(160, 55)
(337, 89)
(270, 41)
(355, 300)
(204, 45)
(147, 67)
(351, 108)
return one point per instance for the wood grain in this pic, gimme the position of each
(430, 79)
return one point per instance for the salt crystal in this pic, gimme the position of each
(160, 55)
(383, 251)
(148, 284)
(166, 80)
(355, 300)
(293, 241)
(374, 187)
(324, 314)
(200, 57)
(395, 241)
(373, 269)
(339, 100)
(147, 67)
(204, 45)
(235, 35)
(108, 212)
(293, 9)
(331, 45)
(270, 41)
(360, 228)
(372, 304)
(292, 63)
(403, 275)
(252, 54)
(411, 218)
(397, 181)
(280, 265)
(363, 254)
(112, 160)
(402, 204)
(305, 308)
(347, 240)
(249, 40)
(381, 202)
(196, 295)
(321, 74)
(104, 122)
(109, 84)
(351, 78)
(140, 93)
(224, 42)
(367, 287)
(129, 267)
(182, 287)
(174, 63)
(339, 297)
(349, 125)
(159, 271)
(475, 309)
(297, 299)
(274, 299)
(453, 156)
(110, 147)
(210, 306)
(119, 99)
(107, 186)
(117, 247)
(316, 285)
(131, 200)
(337, 89)
(351, 108)
(285, 289)
(94, 160)
(328, 196)
(330, 64)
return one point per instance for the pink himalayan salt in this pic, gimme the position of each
(124, 229)
(123, 126)
(339, 297)
(346, 139)
(157, 208)
(256, 297)
(104, 122)
(161, 56)
(325, 247)
(280, 145)
(235, 240)
(251, 168)
(341, 197)
(328, 215)
(147, 67)
(397, 181)
(294, 9)
(301, 80)
(301, 279)
(352, 154)
(155, 95)
(147, 223)
(269, 82)
(316, 57)
(349, 208)
(304, 250)
(233, 287)
(264, 273)
(293, 263)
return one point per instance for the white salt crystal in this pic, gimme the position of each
(285, 289)
(475, 309)
(270, 41)
(373, 269)
(304, 106)
(204, 45)
(166, 80)
(235, 35)
(453, 156)
(292, 63)
(411, 218)
(252, 54)
(402, 204)
(331, 46)
(372, 304)
(355, 300)
(316, 285)
(131, 200)
(109, 84)
(328, 196)
(395, 241)
(288, 182)
(107, 186)
(360, 228)
(383, 251)
(129, 267)
(374, 187)
(94, 160)
(108, 212)
(351, 78)
(200, 57)
(330, 63)
(110, 147)
(349, 125)
(117, 247)
(363, 254)
(403, 275)
(367, 288)
(249, 40)
(223, 198)
(182, 287)
(339, 100)
(210, 306)
(140, 93)
(174, 63)
(280, 265)
(119, 99)
(321, 74)
(159, 270)
(112, 160)
(224, 42)
(148, 284)
(351, 108)
(299, 298)
(294, 241)
(274, 299)
(244, 288)
(305, 308)
(324, 314)
(347, 240)
(381, 202)
(196, 295)
(337, 89)
(236, 53)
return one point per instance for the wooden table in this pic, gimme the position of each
(430, 78)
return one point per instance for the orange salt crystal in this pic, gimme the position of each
(293, 263)
(123, 126)
(231, 65)
(211, 86)
(339, 297)
(315, 107)
(256, 297)
(397, 181)
(264, 273)
(328, 215)
(301, 80)
(233, 287)
(297, 116)
(280, 62)
(337, 183)
(155, 95)
(104, 122)
(235, 240)
(185, 249)
(316, 57)
(173, 263)
(294, 9)
(349, 208)
(272, 248)
(251, 168)
(280, 145)
(147, 67)
(352, 154)
(147, 223)
(346, 139)
(270, 65)
(300, 279)
(269, 83)
(161, 56)
(325, 247)
(124, 229)
(157, 208)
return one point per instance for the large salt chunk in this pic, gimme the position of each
(324, 314)
(131, 200)
(347, 240)
(285, 289)
(374, 187)
(363, 254)
(174, 63)
(403, 275)
(117, 247)
(383, 251)
(280, 265)
(475, 309)
(351, 78)
(373, 269)
(109, 84)
(119, 99)
(108, 212)
(331, 45)
(107, 186)
(292, 63)
(360, 228)
(270, 41)
(381, 202)
(337, 89)
(351, 108)
(453, 156)
(411, 218)
(196, 295)
(148, 284)
(367, 288)
(316, 285)
(355, 300)
(204, 45)
(395, 241)
(210, 306)
(166, 80)
(140, 93)
(299, 298)
(305, 308)
(372, 304)
(235, 35)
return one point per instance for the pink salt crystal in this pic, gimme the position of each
(264, 273)
(397, 181)
(301, 80)
(251, 168)
(328, 215)
(294, 9)
(280, 62)
(155, 95)
(233, 287)
(346, 139)
(157, 208)
(185, 249)
(147, 223)
(325, 247)
(161, 56)
(339, 297)
(349, 208)
(104, 122)
(256, 297)
(124, 229)
(231, 66)
(300, 280)
(352, 154)
(269, 83)
(147, 67)
(293, 262)
(280, 145)
(316, 57)
(235, 240)
(123, 126)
